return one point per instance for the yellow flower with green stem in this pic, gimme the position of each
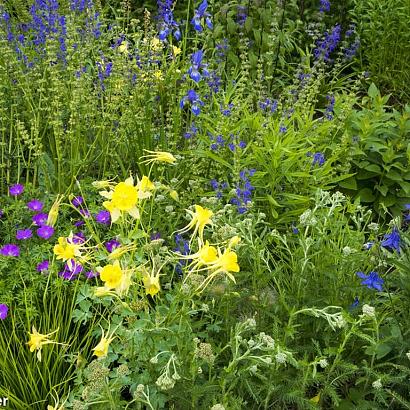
(158, 156)
(123, 198)
(68, 251)
(116, 280)
(38, 340)
(101, 350)
(200, 218)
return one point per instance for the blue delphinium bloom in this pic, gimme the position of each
(324, 6)
(241, 15)
(193, 99)
(392, 241)
(199, 14)
(368, 245)
(372, 280)
(243, 191)
(329, 43)
(318, 158)
(197, 65)
(355, 304)
(166, 21)
(330, 106)
(268, 105)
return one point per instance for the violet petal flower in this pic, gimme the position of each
(112, 244)
(16, 189)
(35, 205)
(10, 250)
(4, 309)
(45, 232)
(23, 234)
(43, 266)
(103, 217)
(392, 241)
(39, 219)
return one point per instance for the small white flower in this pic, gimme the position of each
(347, 250)
(373, 226)
(369, 311)
(377, 384)
(408, 355)
(280, 358)
(323, 363)
(169, 209)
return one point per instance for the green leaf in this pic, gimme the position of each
(349, 183)
(394, 175)
(373, 92)
(366, 195)
(373, 168)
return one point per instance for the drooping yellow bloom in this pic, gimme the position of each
(158, 156)
(234, 241)
(315, 399)
(145, 186)
(123, 47)
(53, 213)
(174, 195)
(66, 250)
(103, 184)
(123, 198)
(176, 51)
(38, 340)
(200, 218)
(226, 262)
(118, 252)
(101, 350)
(57, 405)
(111, 275)
(151, 282)
(158, 75)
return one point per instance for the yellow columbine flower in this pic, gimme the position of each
(315, 399)
(158, 156)
(176, 51)
(66, 250)
(123, 47)
(53, 213)
(111, 275)
(206, 255)
(123, 198)
(145, 186)
(118, 252)
(38, 340)
(103, 184)
(200, 218)
(158, 75)
(234, 241)
(156, 44)
(174, 195)
(101, 350)
(151, 282)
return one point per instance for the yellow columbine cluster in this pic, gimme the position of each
(124, 197)
(211, 259)
(200, 218)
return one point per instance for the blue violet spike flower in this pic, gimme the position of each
(372, 280)
(200, 14)
(193, 100)
(392, 241)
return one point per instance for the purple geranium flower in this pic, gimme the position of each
(78, 238)
(16, 189)
(372, 280)
(43, 266)
(103, 217)
(23, 234)
(71, 270)
(77, 201)
(39, 219)
(35, 205)
(10, 250)
(91, 274)
(112, 244)
(392, 241)
(45, 232)
(4, 309)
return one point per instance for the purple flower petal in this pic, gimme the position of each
(10, 250)
(4, 309)
(16, 189)
(23, 234)
(35, 205)
(45, 232)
